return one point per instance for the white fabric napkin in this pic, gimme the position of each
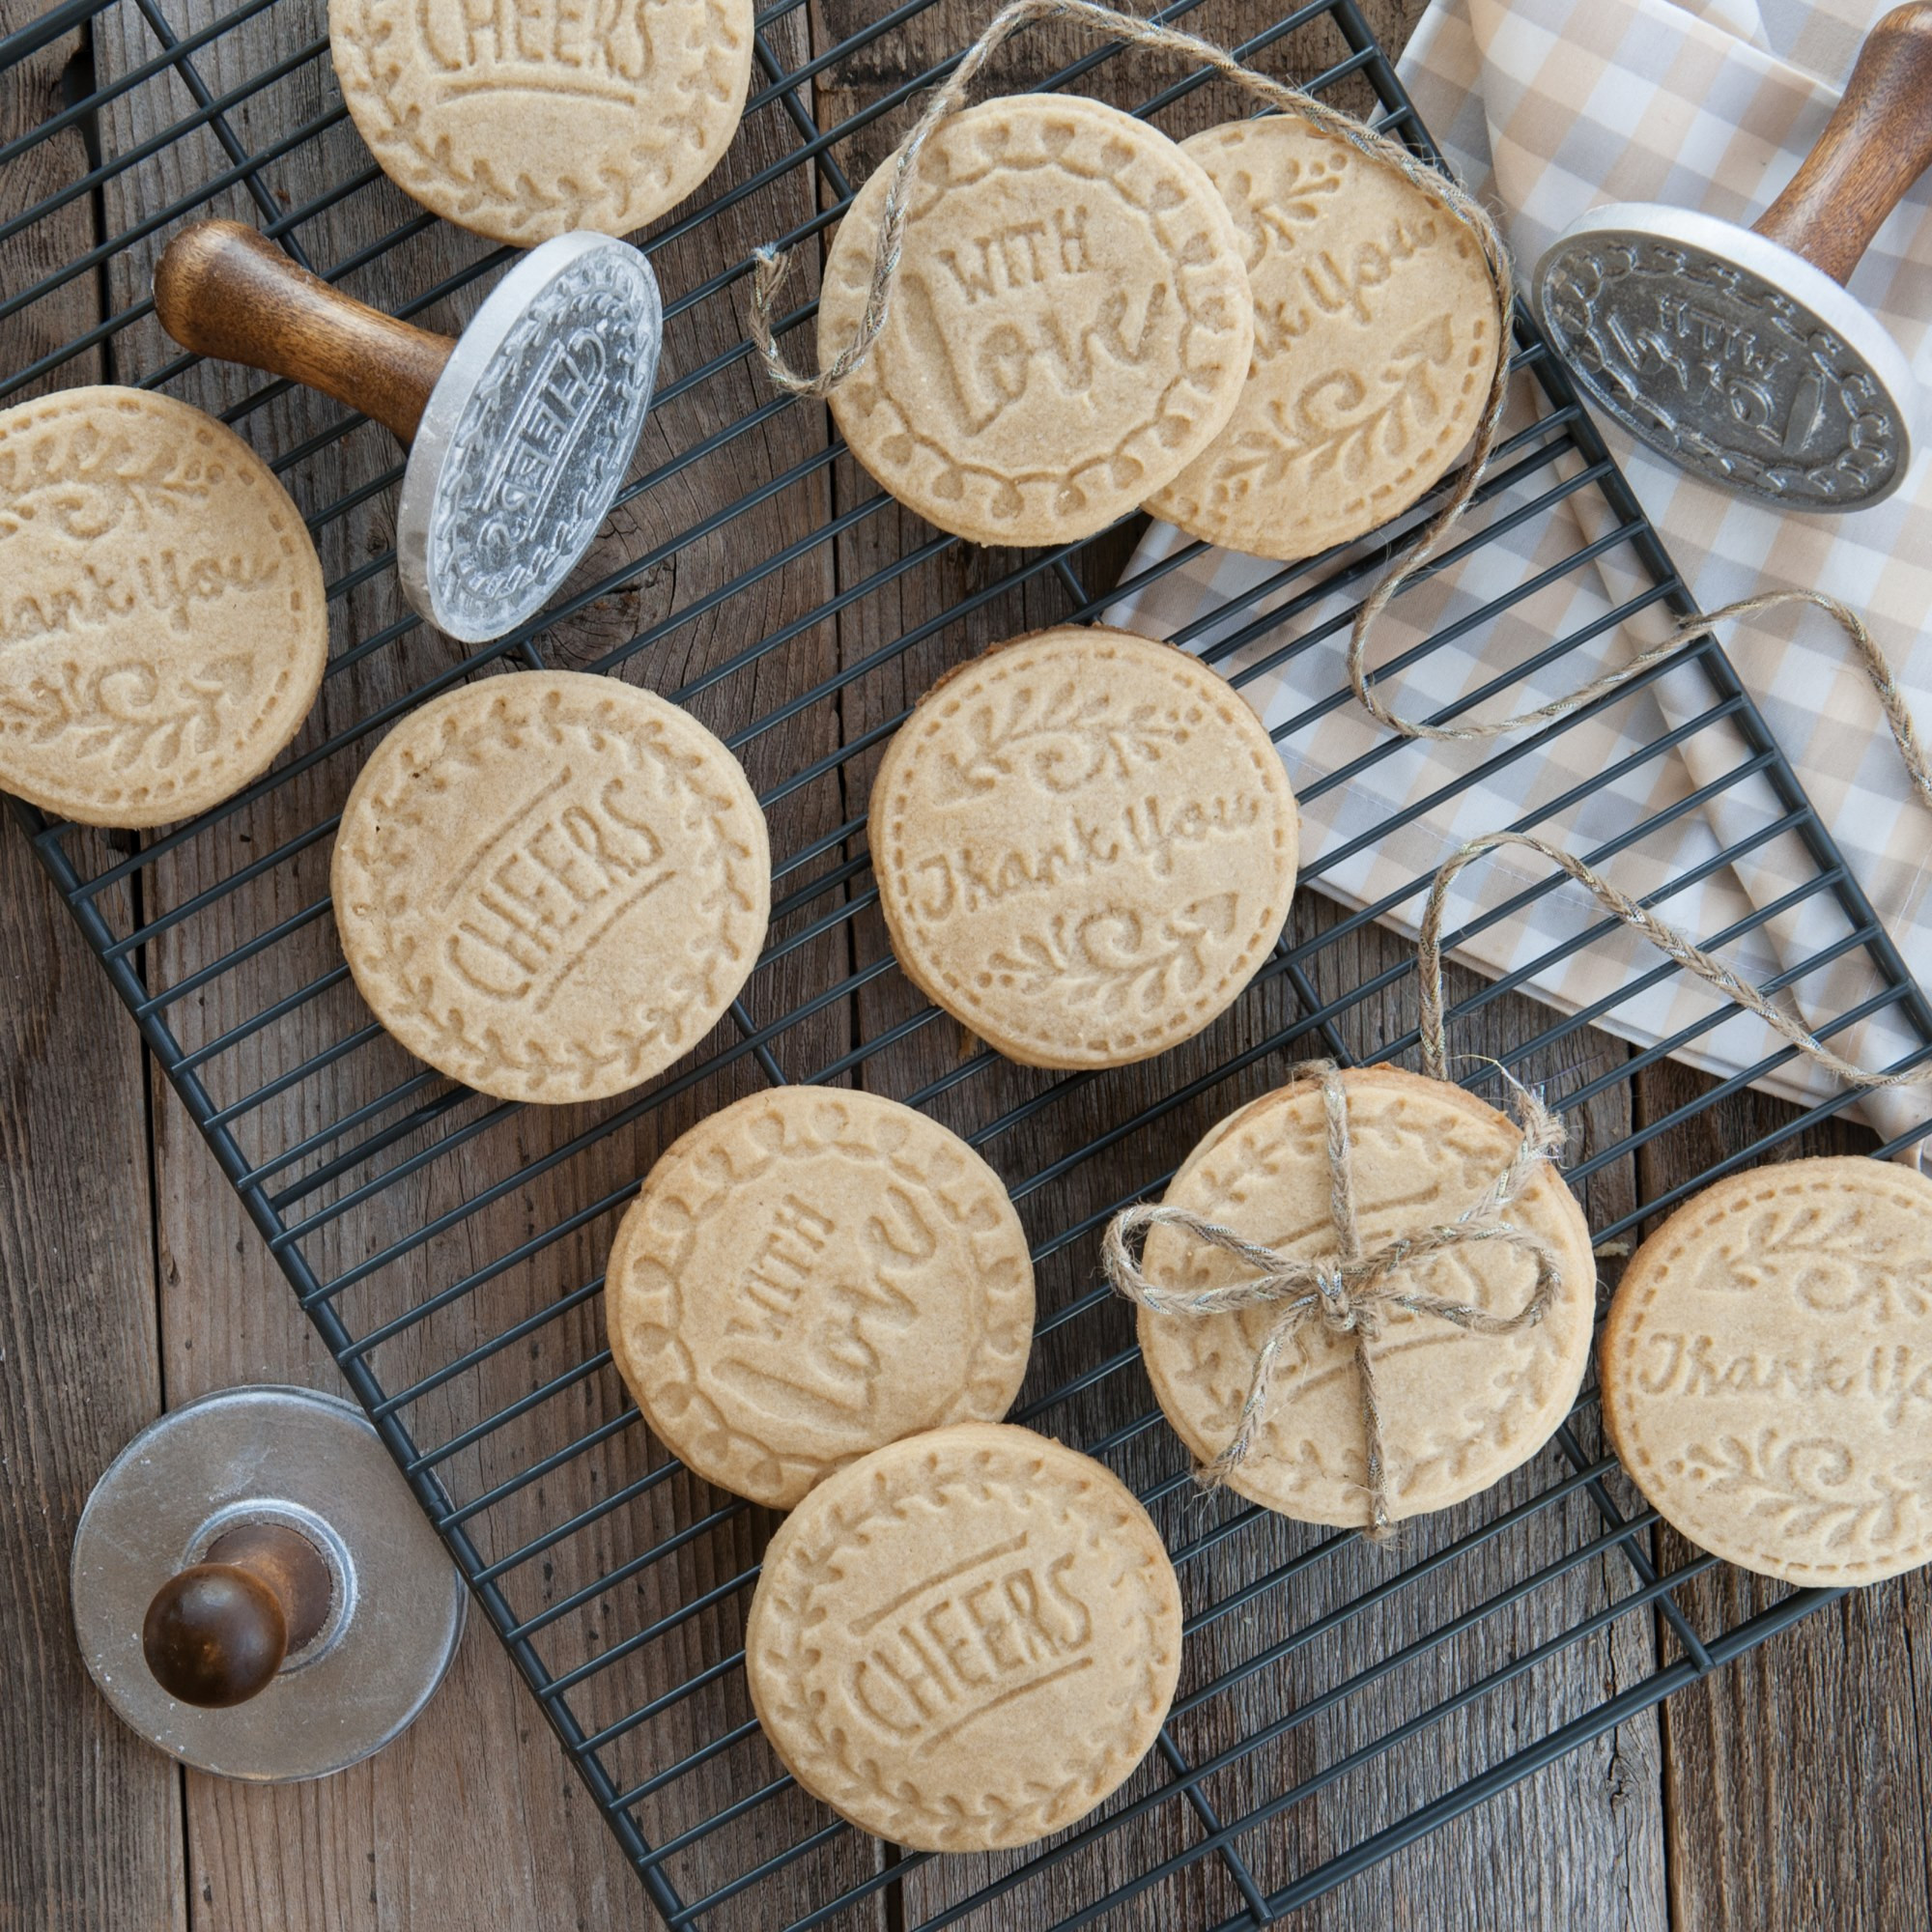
(1547, 108)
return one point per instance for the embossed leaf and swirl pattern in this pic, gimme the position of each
(1085, 844)
(549, 885)
(1005, 1575)
(162, 626)
(1768, 1370)
(1405, 1318)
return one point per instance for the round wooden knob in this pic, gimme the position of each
(223, 289)
(218, 1631)
(1877, 143)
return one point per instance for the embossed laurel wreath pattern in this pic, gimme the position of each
(1767, 1370)
(1048, 1590)
(1374, 345)
(527, 123)
(1085, 845)
(163, 627)
(813, 1273)
(1070, 326)
(549, 884)
(1459, 1410)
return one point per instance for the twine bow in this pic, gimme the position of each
(1349, 1291)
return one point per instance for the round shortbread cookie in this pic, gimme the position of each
(965, 1641)
(1376, 344)
(1069, 323)
(163, 626)
(550, 886)
(1085, 845)
(526, 122)
(809, 1275)
(1459, 1410)
(1767, 1370)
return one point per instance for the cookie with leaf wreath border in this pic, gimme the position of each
(966, 1640)
(1767, 1370)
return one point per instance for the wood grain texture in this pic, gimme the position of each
(93, 1830)
(1877, 143)
(223, 289)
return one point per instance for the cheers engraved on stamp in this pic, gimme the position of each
(976, 1638)
(821, 1306)
(543, 889)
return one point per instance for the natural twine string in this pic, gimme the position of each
(1108, 24)
(1349, 1291)
(1659, 932)
(1876, 665)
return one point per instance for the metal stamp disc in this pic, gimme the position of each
(1729, 354)
(528, 435)
(312, 1463)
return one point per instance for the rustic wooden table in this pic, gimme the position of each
(1789, 1791)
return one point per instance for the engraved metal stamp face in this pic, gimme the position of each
(1740, 362)
(528, 435)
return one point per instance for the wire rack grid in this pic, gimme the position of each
(449, 1248)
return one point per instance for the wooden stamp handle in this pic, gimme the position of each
(218, 1631)
(1877, 143)
(223, 289)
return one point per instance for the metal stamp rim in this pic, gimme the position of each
(477, 350)
(1807, 285)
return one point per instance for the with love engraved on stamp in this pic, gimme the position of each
(809, 1274)
(1085, 844)
(1376, 340)
(1069, 321)
(1767, 1370)
(549, 884)
(966, 1640)
(162, 621)
(524, 118)
(1698, 354)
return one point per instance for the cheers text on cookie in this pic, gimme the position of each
(974, 1640)
(544, 887)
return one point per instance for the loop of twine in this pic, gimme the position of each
(1663, 935)
(1877, 667)
(1350, 1291)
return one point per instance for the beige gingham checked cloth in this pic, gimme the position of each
(1546, 108)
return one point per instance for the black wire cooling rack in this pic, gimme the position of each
(449, 1248)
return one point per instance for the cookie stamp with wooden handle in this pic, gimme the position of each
(1737, 352)
(519, 431)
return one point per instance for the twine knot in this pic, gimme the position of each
(1351, 1290)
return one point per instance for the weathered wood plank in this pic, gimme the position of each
(93, 1835)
